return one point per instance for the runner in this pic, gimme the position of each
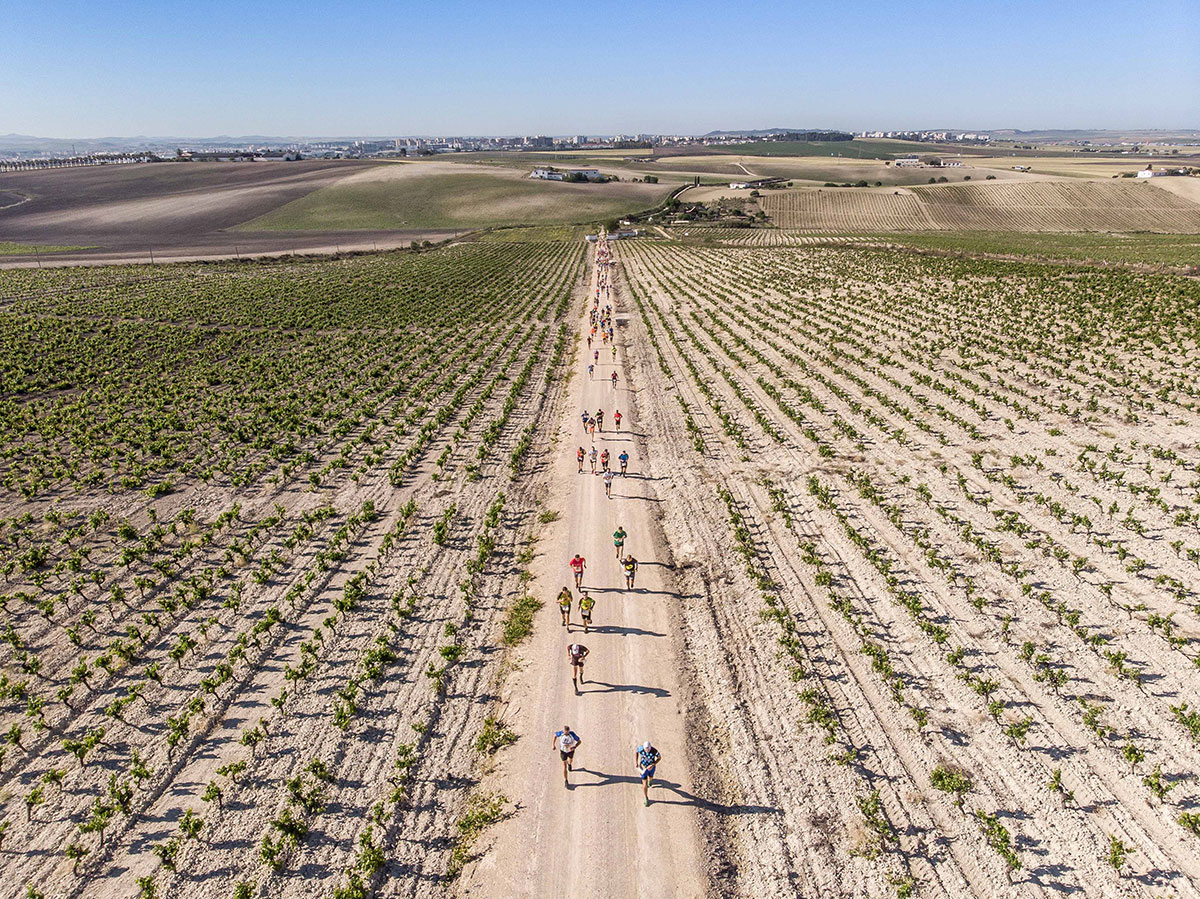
(592, 429)
(600, 419)
(577, 565)
(608, 479)
(619, 536)
(630, 564)
(646, 759)
(623, 459)
(566, 741)
(592, 371)
(614, 352)
(592, 456)
(585, 415)
(576, 653)
(596, 356)
(617, 419)
(586, 604)
(614, 380)
(604, 460)
(579, 458)
(564, 606)
(590, 338)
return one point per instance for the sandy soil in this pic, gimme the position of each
(819, 844)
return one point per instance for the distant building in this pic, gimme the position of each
(1151, 172)
(908, 161)
(565, 174)
(625, 233)
(761, 182)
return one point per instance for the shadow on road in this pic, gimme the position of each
(627, 631)
(685, 798)
(622, 688)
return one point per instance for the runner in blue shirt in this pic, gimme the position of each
(646, 758)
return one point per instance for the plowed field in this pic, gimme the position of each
(1001, 206)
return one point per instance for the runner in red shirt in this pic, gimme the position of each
(577, 565)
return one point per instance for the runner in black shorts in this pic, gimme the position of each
(566, 741)
(586, 604)
(576, 653)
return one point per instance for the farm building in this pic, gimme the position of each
(761, 182)
(567, 174)
(908, 161)
(616, 235)
(1150, 172)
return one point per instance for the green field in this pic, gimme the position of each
(443, 198)
(1175, 250)
(26, 249)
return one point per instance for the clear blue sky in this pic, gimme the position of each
(126, 67)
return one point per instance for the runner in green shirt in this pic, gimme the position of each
(619, 540)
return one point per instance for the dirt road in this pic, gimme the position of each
(595, 837)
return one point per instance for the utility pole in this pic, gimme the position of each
(152, 255)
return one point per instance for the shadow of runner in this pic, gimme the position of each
(624, 688)
(626, 631)
(685, 798)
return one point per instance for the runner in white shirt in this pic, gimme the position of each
(566, 741)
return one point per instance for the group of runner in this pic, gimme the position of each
(566, 740)
(593, 423)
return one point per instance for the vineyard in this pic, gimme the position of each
(758, 237)
(919, 613)
(260, 525)
(999, 206)
(937, 530)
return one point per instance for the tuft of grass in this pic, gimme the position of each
(518, 624)
(548, 516)
(494, 736)
(482, 812)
